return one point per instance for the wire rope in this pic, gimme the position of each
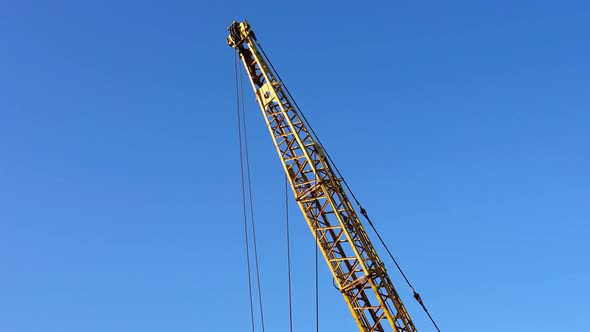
(244, 156)
(317, 289)
(362, 210)
(244, 208)
(249, 183)
(415, 294)
(288, 253)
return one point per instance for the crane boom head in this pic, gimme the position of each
(238, 32)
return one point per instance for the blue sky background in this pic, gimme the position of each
(463, 127)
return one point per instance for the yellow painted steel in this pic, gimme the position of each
(352, 259)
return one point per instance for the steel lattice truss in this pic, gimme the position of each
(358, 271)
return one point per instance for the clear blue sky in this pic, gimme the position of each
(463, 126)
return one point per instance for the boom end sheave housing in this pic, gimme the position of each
(238, 32)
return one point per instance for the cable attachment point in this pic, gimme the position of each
(336, 286)
(365, 214)
(417, 297)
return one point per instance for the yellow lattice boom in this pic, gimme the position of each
(341, 238)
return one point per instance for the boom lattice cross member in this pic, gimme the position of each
(351, 258)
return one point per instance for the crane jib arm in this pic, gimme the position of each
(340, 236)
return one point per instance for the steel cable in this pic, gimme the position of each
(288, 253)
(244, 193)
(362, 210)
(244, 155)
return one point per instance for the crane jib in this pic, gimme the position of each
(355, 266)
